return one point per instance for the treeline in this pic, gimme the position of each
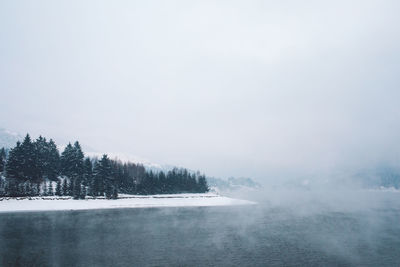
(36, 168)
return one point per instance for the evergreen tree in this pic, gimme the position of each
(29, 166)
(35, 163)
(72, 167)
(103, 181)
(45, 188)
(65, 187)
(70, 191)
(88, 172)
(40, 150)
(50, 190)
(109, 189)
(95, 187)
(37, 189)
(47, 158)
(53, 161)
(67, 161)
(21, 190)
(114, 193)
(202, 184)
(58, 188)
(163, 182)
(2, 159)
(2, 187)
(78, 168)
(14, 163)
(28, 189)
(14, 170)
(83, 192)
(76, 193)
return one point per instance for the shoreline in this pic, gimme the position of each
(53, 203)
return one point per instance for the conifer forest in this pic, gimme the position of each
(36, 168)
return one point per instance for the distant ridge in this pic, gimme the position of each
(232, 184)
(8, 139)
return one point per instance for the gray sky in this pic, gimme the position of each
(233, 88)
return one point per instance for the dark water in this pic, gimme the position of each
(215, 236)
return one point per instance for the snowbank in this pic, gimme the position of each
(124, 201)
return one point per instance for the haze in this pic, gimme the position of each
(232, 88)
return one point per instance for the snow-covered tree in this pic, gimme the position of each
(103, 180)
(58, 188)
(2, 159)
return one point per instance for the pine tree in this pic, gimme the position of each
(47, 158)
(37, 190)
(76, 188)
(40, 150)
(103, 180)
(21, 190)
(202, 184)
(7, 190)
(72, 167)
(109, 189)
(2, 187)
(2, 159)
(70, 191)
(58, 188)
(94, 186)
(35, 163)
(14, 170)
(30, 168)
(83, 192)
(78, 168)
(98, 181)
(67, 161)
(45, 189)
(114, 193)
(53, 161)
(88, 172)
(193, 183)
(163, 182)
(28, 189)
(14, 163)
(50, 190)
(65, 186)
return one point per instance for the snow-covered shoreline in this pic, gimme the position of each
(124, 201)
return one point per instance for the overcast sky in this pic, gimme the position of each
(232, 88)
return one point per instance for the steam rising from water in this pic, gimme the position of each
(286, 228)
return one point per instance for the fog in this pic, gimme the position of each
(302, 96)
(296, 228)
(262, 89)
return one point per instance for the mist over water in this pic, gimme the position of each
(291, 228)
(301, 97)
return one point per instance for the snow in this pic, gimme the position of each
(126, 158)
(386, 189)
(124, 201)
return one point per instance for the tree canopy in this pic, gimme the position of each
(34, 168)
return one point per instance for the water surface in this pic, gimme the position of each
(202, 236)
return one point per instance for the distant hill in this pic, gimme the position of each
(8, 139)
(151, 166)
(232, 184)
(380, 177)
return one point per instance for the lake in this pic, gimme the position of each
(262, 235)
